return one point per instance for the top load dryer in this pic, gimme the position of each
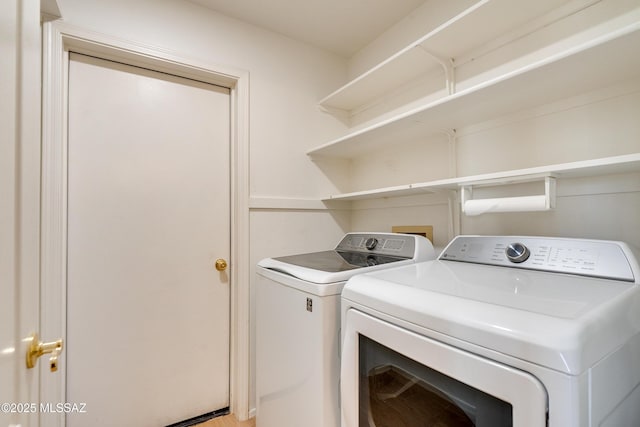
(298, 321)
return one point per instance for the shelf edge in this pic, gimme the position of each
(611, 165)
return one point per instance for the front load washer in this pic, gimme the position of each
(298, 322)
(498, 331)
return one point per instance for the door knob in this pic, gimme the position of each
(221, 265)
(37, 348)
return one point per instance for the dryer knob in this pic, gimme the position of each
(517, 252)
(371, 243)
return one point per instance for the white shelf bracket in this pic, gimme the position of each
(449, 70)
(544, 202)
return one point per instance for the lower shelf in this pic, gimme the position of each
(602, 166)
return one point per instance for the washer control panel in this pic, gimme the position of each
(595, 258)
(400, 245)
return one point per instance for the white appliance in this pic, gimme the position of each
(498, 331)
(298, 322)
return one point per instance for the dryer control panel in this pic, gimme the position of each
(594, 258)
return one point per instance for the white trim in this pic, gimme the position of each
(53, 211)
(240, 297)
(58, 39)
(288, 203)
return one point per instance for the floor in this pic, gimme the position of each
(228, 421)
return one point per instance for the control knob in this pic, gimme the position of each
(517, 252)
(372, 260)
(371, 243)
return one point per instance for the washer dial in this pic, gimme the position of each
(371, 243)
(517, 252)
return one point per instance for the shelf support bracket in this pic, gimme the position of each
(448, 67)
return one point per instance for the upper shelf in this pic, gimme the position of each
(603, 166)
(448, 40)
(598, 63)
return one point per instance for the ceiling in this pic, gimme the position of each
(340, 26)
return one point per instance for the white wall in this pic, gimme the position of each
(287, 78)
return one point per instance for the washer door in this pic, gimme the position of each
(391, 376)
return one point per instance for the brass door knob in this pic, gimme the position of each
(221, 265)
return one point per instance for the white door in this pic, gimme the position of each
(19, 209)
(148, 216)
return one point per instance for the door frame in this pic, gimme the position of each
(58, 40)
